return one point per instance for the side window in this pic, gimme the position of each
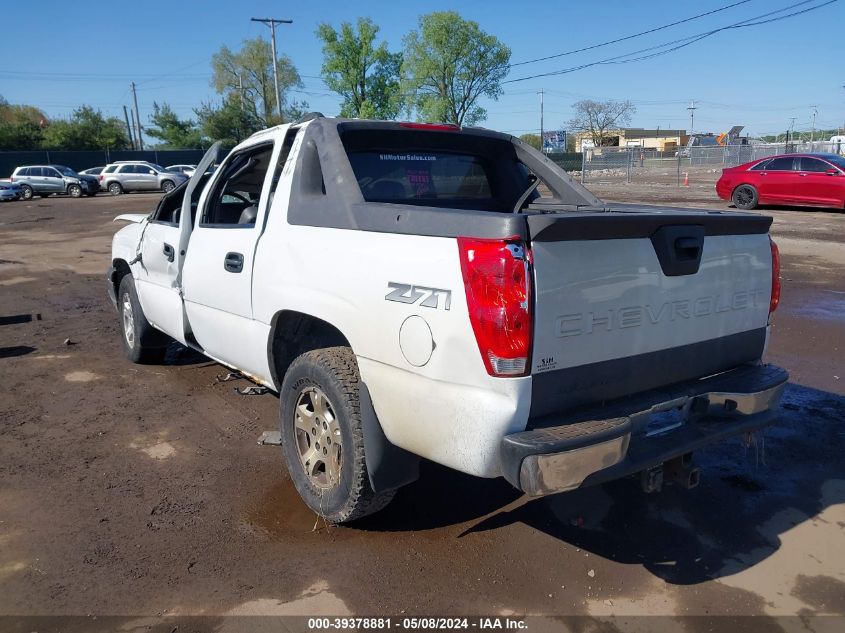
(761, 166)
(234, 199)
(814, 164)
(781, 164)
(36, 171)
(110, 169)
(51, 173)
(124, 169)
(24, 172)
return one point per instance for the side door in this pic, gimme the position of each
(217, 276)
(147, 178)
(162, 250)
(817, 185)
(54, 183)
(778, 180)
(125, 175)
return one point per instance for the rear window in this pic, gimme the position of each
(436, 169)
(110, 169)
(781, 164)
(418, 176)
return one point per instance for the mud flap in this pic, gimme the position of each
(388, 466)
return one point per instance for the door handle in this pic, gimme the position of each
(234, 262)
(168, 251)
(803, 175)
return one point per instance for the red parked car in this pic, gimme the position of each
(815, 180)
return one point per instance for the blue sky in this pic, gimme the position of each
(88, 52)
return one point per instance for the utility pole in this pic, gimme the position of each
(137, 117)
(813, 129)
(691, 107)
(542, 143)
(129, 128)
(241, 88)
(272, 22)
(132, 120)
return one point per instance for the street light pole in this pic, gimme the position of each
(542, 144)
(272, 22)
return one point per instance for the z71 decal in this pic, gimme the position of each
(409, 293)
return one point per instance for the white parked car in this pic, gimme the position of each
(408, 294)
(188, 170)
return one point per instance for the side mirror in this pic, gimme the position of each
(832, 172)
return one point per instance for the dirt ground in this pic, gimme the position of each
(140, 491)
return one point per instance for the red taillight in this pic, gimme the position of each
(443, 127)
(101, 177)
(498, 289)
(773, 304)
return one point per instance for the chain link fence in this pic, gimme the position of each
(638, 164)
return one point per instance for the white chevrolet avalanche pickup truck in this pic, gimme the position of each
(424, 291)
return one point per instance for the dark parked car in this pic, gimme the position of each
(813, 180)
(43, 180)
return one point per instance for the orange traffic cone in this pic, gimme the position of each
(686, 179)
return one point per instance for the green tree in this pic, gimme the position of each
(532, 139)
(86, 128)
(248, 74)
(175, 133)
(448, 65)
(365, 75)
(20, 126)
(230, 122)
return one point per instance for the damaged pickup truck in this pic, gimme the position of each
(409, 293)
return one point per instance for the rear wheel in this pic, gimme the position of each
(323, 438)
(745, 197)
(115, 189)
(74, 191)
(142, 343)
(26, 192)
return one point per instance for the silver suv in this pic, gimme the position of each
(124, 176)
(42, 180)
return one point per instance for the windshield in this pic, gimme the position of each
(65, 171)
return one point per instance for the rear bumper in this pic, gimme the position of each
(594, 446)
(723, 190)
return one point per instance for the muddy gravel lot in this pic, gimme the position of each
(140, 491)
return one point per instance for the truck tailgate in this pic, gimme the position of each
(635, 299)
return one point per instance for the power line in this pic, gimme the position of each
(630, 37)
(681, 43)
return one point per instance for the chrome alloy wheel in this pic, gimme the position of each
(128, 320)
(318, 437)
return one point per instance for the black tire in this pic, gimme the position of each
(334, 373)
(115, 188)
(167, 186)
(745, 197)
(74, 191)
(26, 192)
(142, 343)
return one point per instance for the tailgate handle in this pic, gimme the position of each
(678, 248)
(687, 248)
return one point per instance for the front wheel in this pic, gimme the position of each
(323, 438)
(74, 191)
(167, 186)
(745, 197)
(142, 343)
